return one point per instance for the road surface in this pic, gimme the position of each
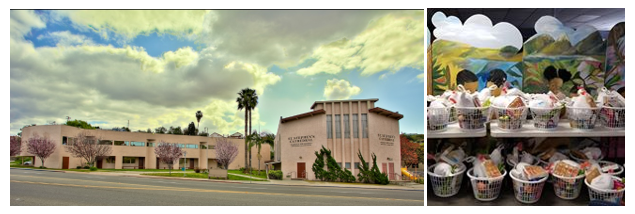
(31, 187)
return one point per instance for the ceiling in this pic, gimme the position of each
(524, 18)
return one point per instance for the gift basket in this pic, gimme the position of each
(446, 179)
(545, 110)
(528, 181)
(568, 177)
(486, 187)
(613, 109)
(510, 118)
(438, 115)
(605, 188)
(583, 111)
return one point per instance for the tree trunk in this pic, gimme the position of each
(42, 162)
(246, 131)
(250, 133)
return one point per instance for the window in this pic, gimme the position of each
(203, 147)
(347, 165)
(212, 146)
(191, 146)
(64, 140)
(180, 145)
(329, 127)
(126, 143)
(347, 126)
(355, 126)
(110, 159)
(119, 143)
(339, 163)
(67, 141)
(105, 142)
(136, 143)
(129, 159)
(150, 144)
(338, 127)
(364, 125)
(357, 165)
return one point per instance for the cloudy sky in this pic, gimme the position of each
(157, 68)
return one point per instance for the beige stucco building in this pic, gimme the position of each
(343, 126)
(134, 150)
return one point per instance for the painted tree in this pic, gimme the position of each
(41, 147)
(226, 152)
(408, 151)
(168, 153)
(16, 146)
(248, 100)
(88, 148)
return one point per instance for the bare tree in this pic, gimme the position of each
(168, 153)
(226, 152)
(41, 147)
(88, 148)
(16, 146)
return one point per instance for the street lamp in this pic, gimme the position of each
(185, 162)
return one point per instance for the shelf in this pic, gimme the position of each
(563, 130)
(453, 131)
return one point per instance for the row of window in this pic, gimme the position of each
(347, 165)
(347, 130)
(70, 141)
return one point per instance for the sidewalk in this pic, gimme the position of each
(412, 187)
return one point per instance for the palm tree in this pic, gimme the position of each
(199, 115)
(247, 99)
(255, 140)
(269, 138)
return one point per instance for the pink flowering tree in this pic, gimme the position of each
(88, 148)
(16, 146)
(41, 147)
(168, 153)
(226, 152)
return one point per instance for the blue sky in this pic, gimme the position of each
(108, 67)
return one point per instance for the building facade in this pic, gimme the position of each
(344, 127)
(135, 150)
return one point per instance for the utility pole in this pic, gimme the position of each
(128, 124)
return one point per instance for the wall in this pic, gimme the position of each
(291, 152)
(386, 151)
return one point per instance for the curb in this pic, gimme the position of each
(34, 169)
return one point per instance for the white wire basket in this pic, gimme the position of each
(472, 118)
(446, 186)
(567, 187)
(452, 115)
(510, 118)
(582, 118)
(546, 118)
(613, 117)
(486, 189)
(611, 196)
(617, 172)
(438, 118)
(528, 192)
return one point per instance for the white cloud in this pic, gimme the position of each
(554, 28)
(66, 38)
(128, 24)
(340, 89)
(392, 42)
(477, 31)
(22, 21)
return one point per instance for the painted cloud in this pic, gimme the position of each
(477, 31)
(554, 28)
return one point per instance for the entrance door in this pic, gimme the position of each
(384, 168)
(301, 170)
(142, 162)
(157, 163)
(65, 163)
(391, 170)
(100, 163)
(191, 163)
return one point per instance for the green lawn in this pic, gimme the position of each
(255, 173)
(197, 175)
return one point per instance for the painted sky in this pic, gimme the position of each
(157, 68)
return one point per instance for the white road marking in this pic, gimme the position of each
(249, 188)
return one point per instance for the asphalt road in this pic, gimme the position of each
(35, 188)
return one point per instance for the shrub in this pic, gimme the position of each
(275, 174)
(333, 171)
(242, 169)
(86, 167)
(371, 175)
(78, 167)
(197, 170)
(93, 168)
(42, 167)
